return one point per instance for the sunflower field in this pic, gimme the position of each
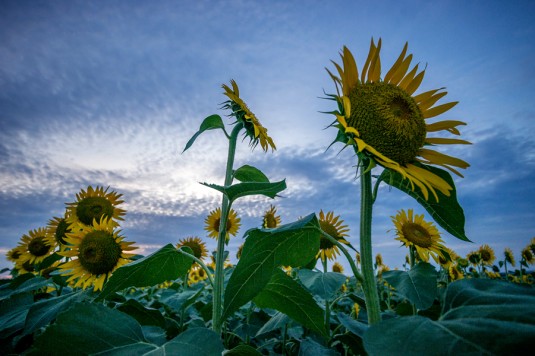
(77, 287)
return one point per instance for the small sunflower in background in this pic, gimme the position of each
(253, 128)
(334, 227)
(271, 219)
(385, 122)
(413, 230)
(378, 260)
(96, 252)
(37, 245)
(196, 244)
(446, 262)
(213, 219)
(337, 267)
(239, 252)
(59, 227)
(454, 273)
(474, 257)
(196, 274)
(532, 245)
(509, 256)
(527, 255)
(487, 255)
(15, 253)
(24, 267)
(94, 204)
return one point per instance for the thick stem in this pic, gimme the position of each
(217, 298)
(352, 264)
(369, 285)
(327, 309)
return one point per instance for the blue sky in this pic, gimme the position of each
(109, 92)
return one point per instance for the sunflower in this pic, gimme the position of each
(59, 227)
(413, 230)
(24, 267)
(37, 245)
(213, 220)
(196, 274)
(196, 244)
(15, 253)
(532, 245)
(487, 255)
(474, 257)
(334, 227)
(509, 256)
(444, 261)
(240, 250)
(455, 273)
(96, 252)
(528, 256)
(94, 204)
(384, 121)
(255, 130)
(337, 267)
(271, 219)
(378, 260)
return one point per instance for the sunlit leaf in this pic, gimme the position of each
(210, 123)
(248, 173)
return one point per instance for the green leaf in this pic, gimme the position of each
(277, 322)
(480, 316)
(239, 190)
(293, 244)
(144, 315)
(286, 295)
(324, 285)
(45, 311)
(352, 325)
(192, 342)
(242, 350)
(419, 285)
(248, 173)
(210, 123)
(22, 285)
(166, 264)
(447, 212)
(92, 328)
(13, 312)
(310, 347)
(179, 301)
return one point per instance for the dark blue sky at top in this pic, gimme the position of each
(108, 93)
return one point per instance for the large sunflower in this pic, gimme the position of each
(35, 246)
(271, 219)
(413, 230)
(96, 252)
(384, 121)
(334, 227)
(255, 130)
(94, 204)
(196, 244)
(213, 219)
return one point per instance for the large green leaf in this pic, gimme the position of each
(287, 296)
(419, 285)
(447, 212)
(92, 328)
(13, 313)
(239, 190)
(309, 347)
(210, 123)
(192, 342)
(166, 264)
(480, 316)
(264, 250)
(144, 315)
(324, 285)
(23, 284)
(248, 173)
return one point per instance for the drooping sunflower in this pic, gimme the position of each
(528, 256)
(334, 227)
(37, 245)
(487, 255)
(455, 273)
(378, 260)
(509, 256)
(444, 261)
(196, 244)
(94, 204)
(240, 250)
(254, 129)
(213, 219)
(96, 252)
(271, 219)
(384, 121)
(337, 267)
(59, 227)
(413, 230)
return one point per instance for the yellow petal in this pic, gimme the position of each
(371, 53)
(401, 71)
(441, 158)
(437, 110)
(446, 141)
(408, 78)
(415, 83)
(448, 125)
(374, 73)
(351, 74)
(396, 64)
(430, 101)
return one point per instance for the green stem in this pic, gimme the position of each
(217, 298)
(354, 268)
(327, 309)
(366, 256)
(201, 263)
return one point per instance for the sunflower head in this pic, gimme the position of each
(334, 227)
(271, 219)
(423, 236)
(455, 273)
(509, 256)
(487, 255)
(15, 253)
(37, 245)
(474, 257)
(196, 244)
(527, 255)
(240, 250)
(213, 220)
(337, 267)
(378, 260)
(93, 205)
(386, 123)
(59, 227)
(254, 129)
(95, 251)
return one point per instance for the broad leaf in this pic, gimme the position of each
(166, 264)
(310, 347)
(352, 325)
(264, 250)
(92, 328)
(143, 315)
(419, 285)
(287, 296)
(447, 212)
(324, 285)
(248, 173)
(243, 350)
(277, 322)
(192, 342)
(480, 316)
(239, 190)
(13, 313)
(210, 123)
(23, 284)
